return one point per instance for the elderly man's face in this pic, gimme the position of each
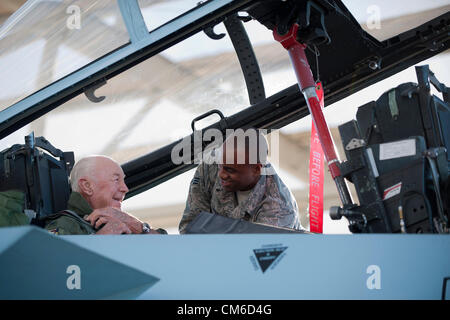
(108, 185)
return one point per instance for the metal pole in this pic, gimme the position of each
(307, 86)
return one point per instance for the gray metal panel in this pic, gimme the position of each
(226, 266)
(311, 267)
(10, 236)
(37, 266)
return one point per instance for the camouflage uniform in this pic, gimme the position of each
(270, 201)
(66, 223)
(11, 209)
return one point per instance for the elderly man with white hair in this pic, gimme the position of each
(94, 206)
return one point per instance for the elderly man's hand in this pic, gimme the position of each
(112, 226)
(100, 216)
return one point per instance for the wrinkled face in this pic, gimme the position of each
(238, 177)
(108, 185)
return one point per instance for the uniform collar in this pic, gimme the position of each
(78, 204)
(250, 205)
(255, 197)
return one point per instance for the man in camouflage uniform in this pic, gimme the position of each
(12, 209)
(94, 206)
(240, 189)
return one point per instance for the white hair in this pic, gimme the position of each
(85, 167)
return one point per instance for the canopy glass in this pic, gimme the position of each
(45, 40)
(153, 103)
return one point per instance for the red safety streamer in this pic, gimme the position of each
(316, 176)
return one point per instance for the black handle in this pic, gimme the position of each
(207, 114)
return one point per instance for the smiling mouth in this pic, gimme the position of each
(118, 199)
(225, 183)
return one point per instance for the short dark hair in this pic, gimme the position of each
(252, 141)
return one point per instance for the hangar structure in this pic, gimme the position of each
(127, 78)
(207, 78)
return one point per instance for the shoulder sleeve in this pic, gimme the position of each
(199, 197)
(11, 209)
(279, 216)
(279, 208)
(64, 226)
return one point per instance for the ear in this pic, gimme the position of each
(85, 186)
(257, 168)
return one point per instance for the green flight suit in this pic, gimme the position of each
(67, 223)
(11, 209)
(64, 223)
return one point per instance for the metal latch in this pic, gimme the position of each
(355, 144)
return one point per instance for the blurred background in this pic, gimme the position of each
(153, 104)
